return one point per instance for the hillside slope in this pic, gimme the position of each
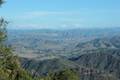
(102, 59)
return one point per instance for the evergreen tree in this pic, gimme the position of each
(66, 74)
(9, 64)
(1, 2)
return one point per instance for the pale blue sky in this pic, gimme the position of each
(58, 14)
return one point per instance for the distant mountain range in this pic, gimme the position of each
(112, 42)
(93, 53)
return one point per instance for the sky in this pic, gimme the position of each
(61, 14)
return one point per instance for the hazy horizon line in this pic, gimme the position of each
(62, 28)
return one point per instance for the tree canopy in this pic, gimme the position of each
(1, 2)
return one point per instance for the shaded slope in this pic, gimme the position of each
(54, 66)
(42, 67)
(106, 59)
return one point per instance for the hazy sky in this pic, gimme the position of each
(27, 14)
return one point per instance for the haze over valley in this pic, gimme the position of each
(59, 39)
(90, 49)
